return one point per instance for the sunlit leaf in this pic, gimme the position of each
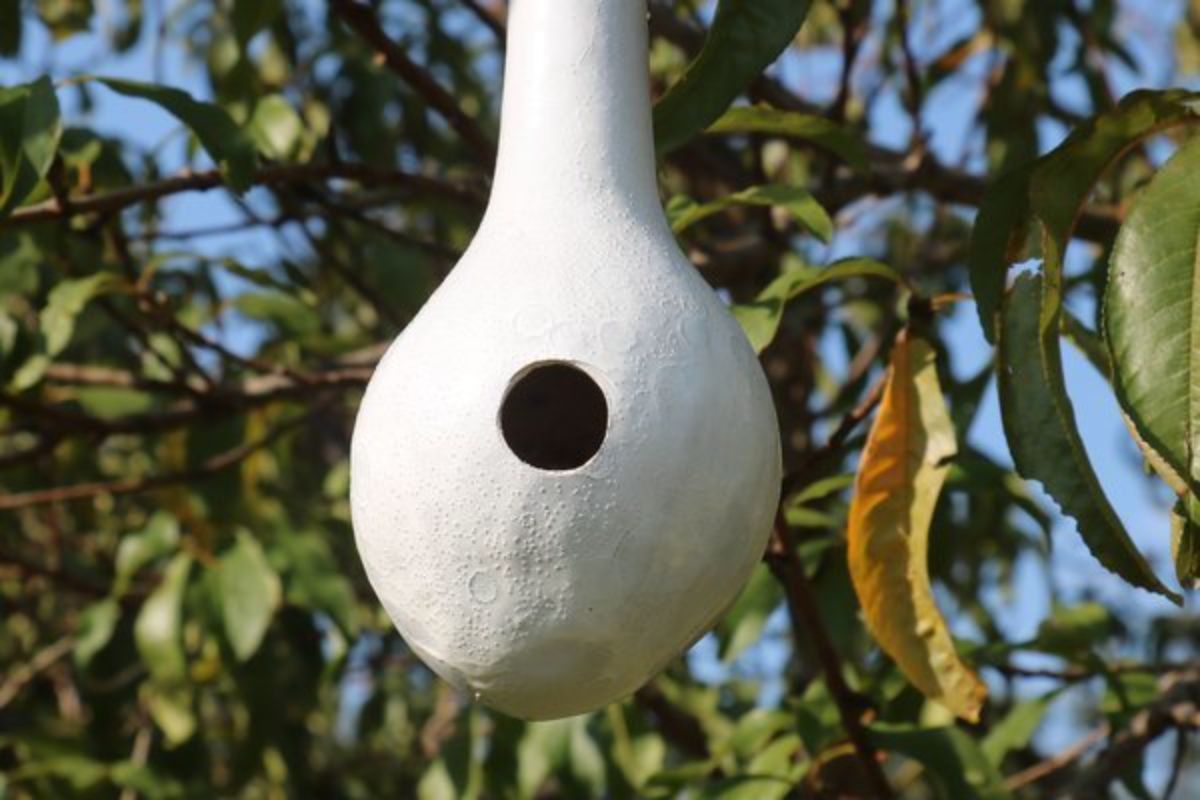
(67, 299)
(275, 126)
(838, 139)
(1075, 628)
(746, 37)
(66, 17)
(900, 476)
(96, 626)
(249, 595)
(796, 201)
(158, 633)
(760, 318)
(139, 549)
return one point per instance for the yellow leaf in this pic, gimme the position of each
(899, 478)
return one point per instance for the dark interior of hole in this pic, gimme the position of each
(554, 417)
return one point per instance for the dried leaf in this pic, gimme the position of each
(899, 479)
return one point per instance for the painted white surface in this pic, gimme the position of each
(546, 594)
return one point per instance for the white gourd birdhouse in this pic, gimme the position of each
(566, 467)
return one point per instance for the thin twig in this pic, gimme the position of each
(117, 200)
(846, 426)
(807, 625)
(1059, 761)
(362, 20)
(41, 661)
(124, 486)
(912, 75)
(1177, 708)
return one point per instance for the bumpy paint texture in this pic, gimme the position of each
(550, 593)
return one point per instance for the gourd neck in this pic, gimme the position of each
(575, 120)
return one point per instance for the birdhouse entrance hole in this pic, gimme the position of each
(554, 416)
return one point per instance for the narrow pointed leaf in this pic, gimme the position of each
(954, 764)
(158, 630)
(798, 202)
(746, 37)
(1015, 730)
(901, 474)
(1040, 426)
(1185, 541)
(760, 318)
(837, 139)
(1039, 419)
(232, 148)
(1152, 316)
(66, 301)
(30, 131)
(1046, 195)
(158, 633)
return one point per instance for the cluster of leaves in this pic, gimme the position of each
(183, 612)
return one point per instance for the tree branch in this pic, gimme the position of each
(807, 625)
(119, 199)
(362, 20)
(1177, 708)
(123, 486)
(40, 662)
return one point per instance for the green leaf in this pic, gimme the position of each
(67, 299)
(249, 595)
(1016, 729)
(158, 630)
(10, 28)
(803, 207)
(1185, 541)
(1040, 425)
(66, 17)
(96, 626)
(30, 131)
(232, 148)
(760, 318)
(1045, 196)
(289, 314)
(1039, 420)
(744, 623)
(837, 139)
(136, 550)
(312, 579)
(746, 37)
(276, 127)
(158, 634)
(956, 766)
(997, 239)
(252, 16)
(1075, 629)
(1152, 317)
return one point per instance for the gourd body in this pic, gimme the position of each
(550, 592)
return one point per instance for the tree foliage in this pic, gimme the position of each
(187, 321)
